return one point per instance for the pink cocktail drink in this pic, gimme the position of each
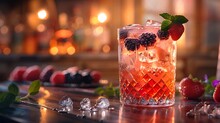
(147, 64)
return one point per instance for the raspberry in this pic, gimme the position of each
(163, 35)
(147, 39)
(32, 73)
(123, 33)
(132, 44)
(57, 78)
(17, 74)
(96, 76)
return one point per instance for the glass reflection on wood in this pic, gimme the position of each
(149, 115)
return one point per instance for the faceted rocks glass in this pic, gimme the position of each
(147, 66)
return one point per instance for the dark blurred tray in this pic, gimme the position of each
(92, 85)
(66, 85)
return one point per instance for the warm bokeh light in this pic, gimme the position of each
(63, 33)
(103, 82)
(106, 48)
(102, 17)
(53, 50)
(4, 30)
(98, 31)
(94, 20)
(63, 19)
(71, 50)
(6, 51)
(41, 28)
(19, 28)
(42, 14)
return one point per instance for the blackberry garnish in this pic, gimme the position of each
(86, 78)
(132, 44)
(77, 78)
(147, 39)
(163, 35)
(68, 78)
(123, 33)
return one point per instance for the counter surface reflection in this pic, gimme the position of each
(50, 96)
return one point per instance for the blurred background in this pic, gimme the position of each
(83, 33)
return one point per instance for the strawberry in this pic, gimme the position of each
(57, 78)
(176, 31)
(32, 73)
(216, 94)
(173, 24)
(46, 73)
(96, 76)
(17, 74)
(191, 88)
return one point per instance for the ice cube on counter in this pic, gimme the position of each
(102, 103)
(66, 105)
(85, 104)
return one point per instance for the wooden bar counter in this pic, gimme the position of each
(50, 96)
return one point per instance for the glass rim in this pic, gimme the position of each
(139, 27)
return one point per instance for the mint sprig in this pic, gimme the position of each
(13, 89)
(7, 98)
(171, 19)
(108, 91)
(209, 89)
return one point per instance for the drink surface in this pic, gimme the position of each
(146, 67)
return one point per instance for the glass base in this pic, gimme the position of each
(149, 103)
(149, 106)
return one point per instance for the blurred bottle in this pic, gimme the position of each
(44, 35)
(62, 42)
(17, 38)
(30, 43)
(5, 36)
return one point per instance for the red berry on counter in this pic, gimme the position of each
(17, 74)
(32, 73)
(57, 78)
(46, 73)
(176, 31)
(216, 94)
(191, 88)
(96, 76)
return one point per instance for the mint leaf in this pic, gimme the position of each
(6, 98)
(117, 92)
(180, 19)
(99, 91)
(166, 25)
(34, 87)
(166, 16)
(109, 91)
(13, 89)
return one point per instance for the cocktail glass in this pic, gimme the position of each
(147, 66)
